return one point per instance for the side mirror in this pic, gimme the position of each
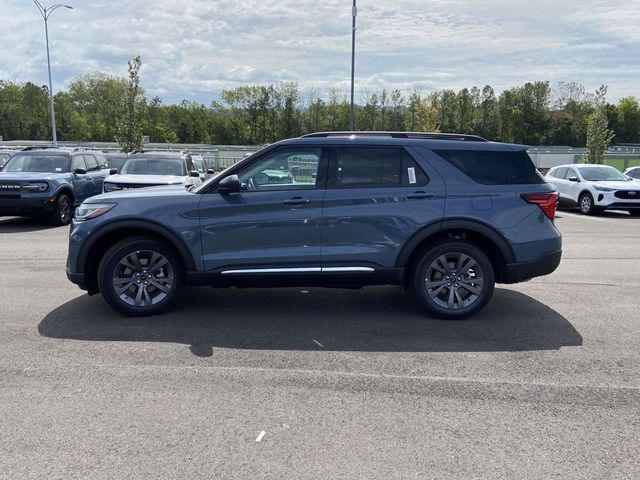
(230, 184)
(194, 173)
(80, 171)
(113, 171)
(210, 171)
(574, 179)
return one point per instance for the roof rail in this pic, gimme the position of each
(40, 147)
(420, 135)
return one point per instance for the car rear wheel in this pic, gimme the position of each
(63, 211)
(141, 276)
(453, 280)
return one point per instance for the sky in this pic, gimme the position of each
(192, 49)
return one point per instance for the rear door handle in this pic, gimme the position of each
(419, 195)
(297, 201)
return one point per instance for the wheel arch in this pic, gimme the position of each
(485, 237)
(92, 252)
(66, 190)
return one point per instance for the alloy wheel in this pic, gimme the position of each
(454, 281)
(64, 209)
(143, 278)
(585, 204)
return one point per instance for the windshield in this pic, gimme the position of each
(3, 158)
(153, 166)
(37, 163)
(602, 174)
(199, 164)
(116, 161)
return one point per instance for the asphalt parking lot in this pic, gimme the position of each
(544, 383)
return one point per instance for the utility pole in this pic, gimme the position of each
(354, 14)
(46, 13)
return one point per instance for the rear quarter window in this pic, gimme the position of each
(494, 167)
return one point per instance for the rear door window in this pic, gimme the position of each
(361, 167)
(561, 173)
(494, 167)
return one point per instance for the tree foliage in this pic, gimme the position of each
(599, 135)
(132, 110)
(101, 107)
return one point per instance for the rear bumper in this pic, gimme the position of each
(519, 272)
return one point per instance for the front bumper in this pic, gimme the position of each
(27, 204)
(522, 271)
(612, 201)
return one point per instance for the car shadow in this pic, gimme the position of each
(380, 319)
(24, 225)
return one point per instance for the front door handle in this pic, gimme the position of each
(297, 201)
(419, 195)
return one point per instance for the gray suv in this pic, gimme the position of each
(446, 216)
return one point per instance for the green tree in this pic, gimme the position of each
(628, 120)
(599, 135)
(129, 122)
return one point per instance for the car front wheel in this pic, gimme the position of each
(585, 203)
(141, 276)
(63, 211)
(454, 280)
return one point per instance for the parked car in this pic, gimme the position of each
(633, 173)
(446, 216)
(595, 188)
(4, 156)
(151, 169)
(48, 182)
(115, 160)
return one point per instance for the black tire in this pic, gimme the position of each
(63, 212)
(634, 212)
(483, 275)
(586, 204)
(111, 266)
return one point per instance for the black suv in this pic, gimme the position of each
(447, 216)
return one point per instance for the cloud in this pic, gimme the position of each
(195, 48)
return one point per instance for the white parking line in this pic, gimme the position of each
(260, 436)
(586, 217)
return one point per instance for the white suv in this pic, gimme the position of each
(595, 188)
(152, 169)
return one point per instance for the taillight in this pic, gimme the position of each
(546, 202)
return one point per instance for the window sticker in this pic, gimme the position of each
(411, 173)
(58, 169)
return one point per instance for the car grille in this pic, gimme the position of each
(628, 194)
(127, 186)
(9, 190)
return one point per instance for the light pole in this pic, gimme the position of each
(354, 14)
(46, 13)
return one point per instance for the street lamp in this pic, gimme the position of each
(46, 13)
(354, 14)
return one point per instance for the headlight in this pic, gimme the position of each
(600, 188)
(36, 186)
(87, 211)
(111, 187)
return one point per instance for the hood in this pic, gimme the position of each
(31, 176)
(618, 185)
(146, 179)
(160, 191)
